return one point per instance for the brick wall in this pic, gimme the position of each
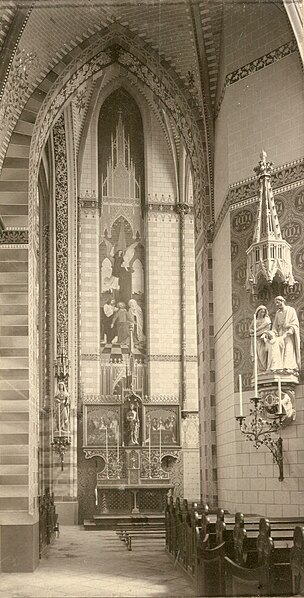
(260, 110)
(14, 385)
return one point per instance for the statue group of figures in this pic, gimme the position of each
(277, 342)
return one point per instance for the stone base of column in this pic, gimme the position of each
(19, 548)
(67, 512)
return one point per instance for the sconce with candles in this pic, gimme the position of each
(259, 430)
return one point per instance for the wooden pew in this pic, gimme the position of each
(143, 535)
(297, 561)
(244, 581)
(127, 529)
(209, 567)
(48, 520)
(256, 557)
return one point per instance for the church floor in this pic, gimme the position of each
(93, 564)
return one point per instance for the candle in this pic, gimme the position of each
(96, 496)
(149, 446)
(280, 396)
(107, 453)
(118, 444)
(255, 357)
(160, 441)
(68, 411)
(59, 418)
(52, 425)
(241, 395)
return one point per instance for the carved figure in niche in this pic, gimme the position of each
(133, 425)
(136, 320)
(122, 322)
(286, 326)
(62, 408)
(107, 315)
(263, 326)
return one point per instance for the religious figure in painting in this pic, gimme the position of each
(117, 276)
(133, 425)
(62, 409)
(136, 320)
(263, 326)
(107, 315)
(286, 327)
(122, 322)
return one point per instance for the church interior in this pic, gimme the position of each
(151, 277)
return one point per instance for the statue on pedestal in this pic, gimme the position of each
(133, 424)
(277, 344)
(62, 409)
(263, 327)
(286, 327)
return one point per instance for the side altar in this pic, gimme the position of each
(135, 444)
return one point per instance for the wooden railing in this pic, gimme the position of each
(235, 558)
(48, 521)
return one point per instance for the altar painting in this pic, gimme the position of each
(101, 421)
(162, 426)
(121, 242)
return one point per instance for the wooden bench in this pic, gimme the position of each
(127, 529)
(145, 534)
(256, 557)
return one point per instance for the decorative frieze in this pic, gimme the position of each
(14, 237)
(284, 178)
(160, 199)
(171, 358)
(62, 228)
(89, 204)
(255, 66)
(90, 357)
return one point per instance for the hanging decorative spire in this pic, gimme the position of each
(269, 254)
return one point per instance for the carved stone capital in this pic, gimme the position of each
(182, 208)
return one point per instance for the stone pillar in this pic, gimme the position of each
(89, 291)
(19, 527)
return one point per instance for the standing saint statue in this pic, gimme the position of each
(62, 409)
(263, 326)
(286, 327)
(133, 425)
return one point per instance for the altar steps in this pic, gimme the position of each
(114, 522)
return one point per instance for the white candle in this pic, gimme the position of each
(68, 411)
(255, 357)
(96, 496)
(241, 395)
(107, 453)
(118, 444)
(149, 444)
(52, 425)
(160, 441)
(59, 417)
(280, 396)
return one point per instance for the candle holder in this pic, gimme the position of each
(260, 431)
(60, 444)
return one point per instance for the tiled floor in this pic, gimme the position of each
(91, 564)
